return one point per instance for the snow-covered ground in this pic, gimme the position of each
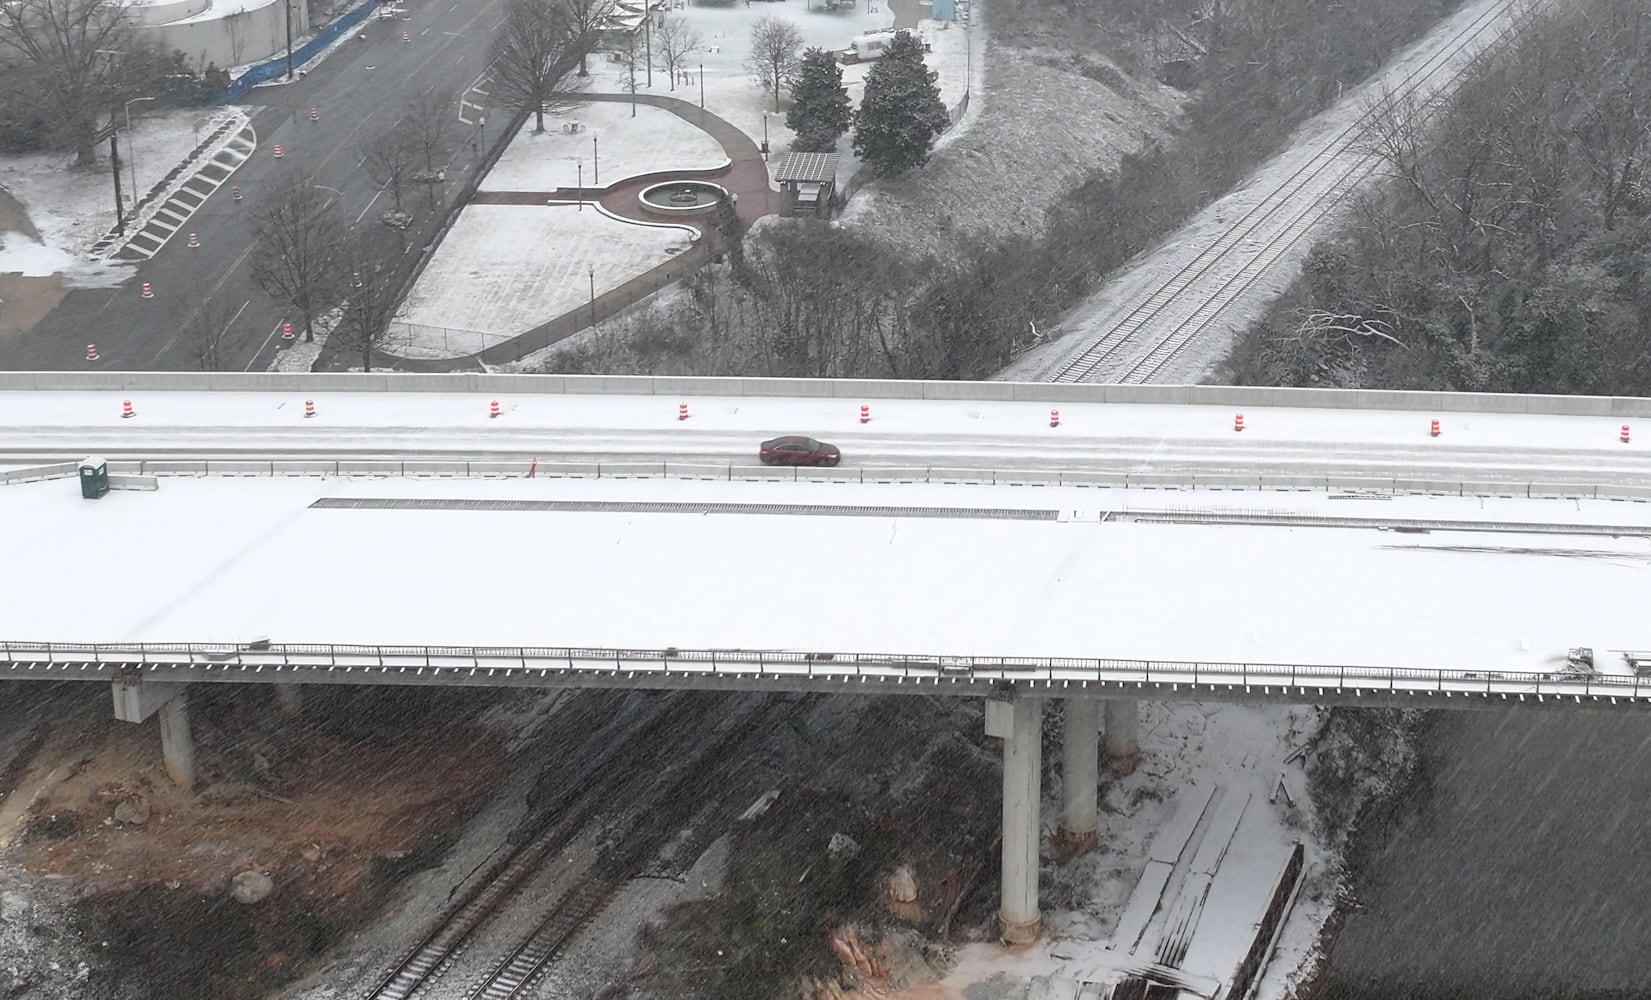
(1103, 311)
(729, 91)
(504, 269)
(610, 146)
(892, 584)
(70, 207)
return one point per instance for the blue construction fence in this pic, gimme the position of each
(302, 54)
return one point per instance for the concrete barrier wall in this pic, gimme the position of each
(423, 468)
(642, 385)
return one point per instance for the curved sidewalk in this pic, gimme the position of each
(746, 176)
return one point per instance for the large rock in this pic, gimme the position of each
(251, 887)
(841, 847)
(133, 812)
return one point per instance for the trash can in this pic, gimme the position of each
(94, 478)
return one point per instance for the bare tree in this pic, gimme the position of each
(428, 122)
(588, 19)
(367, 292)
(773, 57)
(207, 327)
(389, 159)
(297, 240)
(677, 41)
(76, 45)
(533, 50)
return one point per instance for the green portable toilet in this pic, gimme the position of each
(94, 478)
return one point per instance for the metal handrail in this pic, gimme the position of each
(816, 665)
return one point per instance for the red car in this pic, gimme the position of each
(794, 449)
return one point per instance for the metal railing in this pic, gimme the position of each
(826, 670)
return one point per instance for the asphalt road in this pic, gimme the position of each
(359, 90)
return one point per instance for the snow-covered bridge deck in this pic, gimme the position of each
(1327, 554)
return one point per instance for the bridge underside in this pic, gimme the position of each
(836, 674)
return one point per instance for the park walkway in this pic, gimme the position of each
(745, 176)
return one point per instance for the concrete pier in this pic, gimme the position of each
(1019, 723)
(136, 701)
(177, 749)
(1080, 775)
(1123, 735)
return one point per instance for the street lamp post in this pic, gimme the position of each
(765, 135)
(592, 269)
(702, 86)
(132, 149)
(289, 40)
(481, 129)
(579, 192)
(595, 164)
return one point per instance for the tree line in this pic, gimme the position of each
(967, 306)
(1510, 249)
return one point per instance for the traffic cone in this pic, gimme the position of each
(493, 409)
(355, 279)
(235, 192)
(126, 409)
(315, 114)
(91, 355)
(277, 151)
(682, 411)
(1238, 422)
(1434, 430)
(406, 37)
(1054, 418)
(309, 407)
(286, 331)
(865, 414)
(148, 292)
(194, 241)
(1624, 433)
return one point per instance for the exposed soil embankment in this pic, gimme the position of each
(299, 826)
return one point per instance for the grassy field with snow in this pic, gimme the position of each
(504, 269)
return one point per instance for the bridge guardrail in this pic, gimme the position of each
(116, 660)
(496, 469)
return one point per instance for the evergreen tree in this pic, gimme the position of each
(901, 113)
(819, 104)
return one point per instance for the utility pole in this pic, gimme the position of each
(289, 40)
(114, 161)
(648, 43)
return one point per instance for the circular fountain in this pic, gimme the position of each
(683, 197)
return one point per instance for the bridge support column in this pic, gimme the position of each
(289, 698)
(1123, 735)
(1018, 721)
(177, 749)
(136, 701)
(1080, 775)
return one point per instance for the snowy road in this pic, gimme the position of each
(901, 434)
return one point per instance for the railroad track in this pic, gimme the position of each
(433, 955)
(1279, 221)
(637, 837)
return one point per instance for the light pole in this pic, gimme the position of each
(132, 149)
(595, 164)
(592, 269)
(702, 86)
(765, 135)
(481, 129)
(648, 43)
(579, 192)
(289, 40)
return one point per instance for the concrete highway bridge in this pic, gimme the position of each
(1013, 542)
